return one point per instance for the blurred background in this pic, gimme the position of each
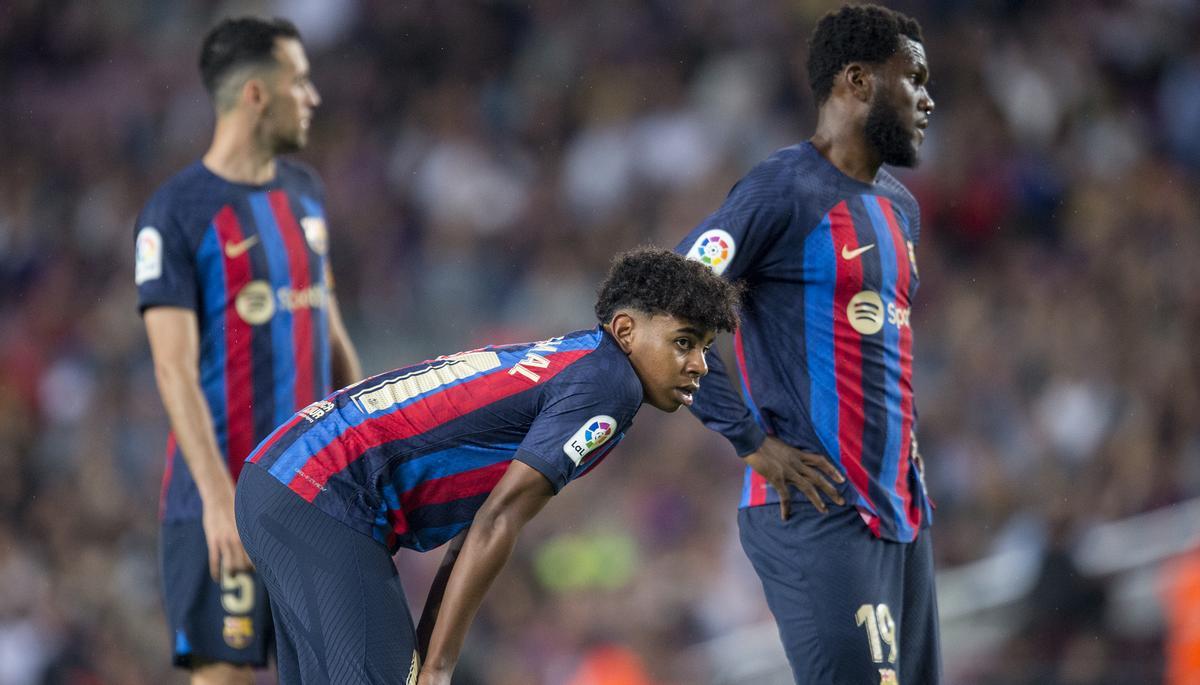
(484, 160)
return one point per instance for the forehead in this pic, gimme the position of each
(911, 54)
(290, 55)
(671, 325)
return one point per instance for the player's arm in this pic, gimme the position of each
(344, 358)
(720, 408)
(520, 494)
(433, 602)
(742, 231)
(174, 345)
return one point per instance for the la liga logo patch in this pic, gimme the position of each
(715, 249)
(593, 433)
(148, 255)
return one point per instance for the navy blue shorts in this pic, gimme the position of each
(850, 607)
(340, 612)
(209, 621)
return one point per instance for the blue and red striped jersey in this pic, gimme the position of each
(251, 262)
(824, 346)
(409, 456)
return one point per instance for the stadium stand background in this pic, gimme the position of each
(484, 161)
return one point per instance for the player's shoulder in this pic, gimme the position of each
(182, 187)
(778, 171)
(796, 175)
(184, 200)
(603, 368)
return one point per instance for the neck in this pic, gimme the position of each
(237, 154)
(840, 138)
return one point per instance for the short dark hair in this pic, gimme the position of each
(658, 281)
(240, 42)
(854, 33)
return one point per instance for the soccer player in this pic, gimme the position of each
(823, 238)
(462, 449)
(234, 287)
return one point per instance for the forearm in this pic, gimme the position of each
(191, 422)
(720, 407)
(346, 366)
(433, 601)
(488, 545)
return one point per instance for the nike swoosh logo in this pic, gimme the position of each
(849, 254)
(235, 250)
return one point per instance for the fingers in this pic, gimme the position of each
(825, 486)
(806, 488)
(236, 559)
(825, 465)
(214, 561)
(227, 555)
(813, 485)
(785, 501)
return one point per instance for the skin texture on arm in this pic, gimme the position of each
(175, 345)
(433, 602)
(519, 495)
(777, 462)
(346, 367)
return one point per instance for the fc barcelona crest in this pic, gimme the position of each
(239, 631)
(315, 233)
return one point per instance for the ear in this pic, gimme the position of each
(622, 329)
(860, 81)
(254, 94)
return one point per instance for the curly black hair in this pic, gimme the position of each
(658, 281)
(854, 33)
(239, 42)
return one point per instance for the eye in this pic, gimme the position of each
(707, 348)
(684, 344)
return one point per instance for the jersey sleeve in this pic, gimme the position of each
(164, 263)
(719, 407)
(734, 242)
(578, 423)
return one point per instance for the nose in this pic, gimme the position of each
(697, 365)
(926, 104)
(314, 97)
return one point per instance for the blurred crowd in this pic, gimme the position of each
(483, 161)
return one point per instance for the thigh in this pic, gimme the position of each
(210, 621)
(920, 647)
(834, 589)
(340, 611)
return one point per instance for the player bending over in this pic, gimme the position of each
(465, 448)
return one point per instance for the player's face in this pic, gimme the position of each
(289, 111)
(668, 355)
(901, 106)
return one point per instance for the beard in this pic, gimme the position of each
(282, 138)
(286, 142)
(888, 135)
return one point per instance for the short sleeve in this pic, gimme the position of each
(577, 424)
(164, 263)
(733, 240)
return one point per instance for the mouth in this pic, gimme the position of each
(686, 393)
